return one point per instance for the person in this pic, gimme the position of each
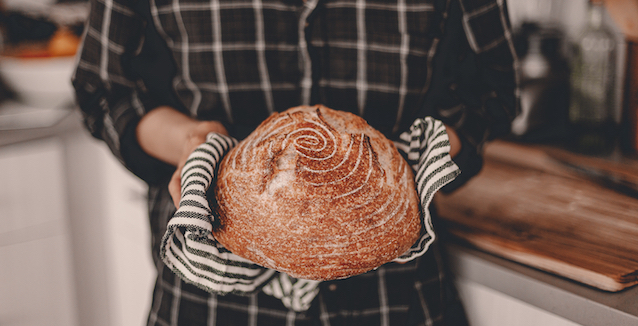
(154, 77)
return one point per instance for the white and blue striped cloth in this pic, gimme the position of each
(191, 251)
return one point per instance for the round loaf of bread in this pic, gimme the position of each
(318, 194)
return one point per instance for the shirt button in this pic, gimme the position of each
(332, 287)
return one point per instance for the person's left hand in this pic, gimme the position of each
(455, 142)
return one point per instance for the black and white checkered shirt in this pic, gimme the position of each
(237, 61)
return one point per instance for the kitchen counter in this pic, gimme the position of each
(19, 123)
(576, 302)
(88, 226)
(534, 227)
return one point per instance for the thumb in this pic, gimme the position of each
(175, 187)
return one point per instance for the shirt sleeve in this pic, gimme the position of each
(474, 79)
(109, 94)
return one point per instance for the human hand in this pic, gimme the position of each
(455, 141)
(171, 136)
(196, 137)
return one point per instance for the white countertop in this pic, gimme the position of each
(19, 122)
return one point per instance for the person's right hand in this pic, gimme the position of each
(171, 136)
(196, 137)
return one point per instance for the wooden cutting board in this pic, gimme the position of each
(625, 15)
(528, 207)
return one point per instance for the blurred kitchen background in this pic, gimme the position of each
(74, 241)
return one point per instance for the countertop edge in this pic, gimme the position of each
(563, 297)
(69, 122)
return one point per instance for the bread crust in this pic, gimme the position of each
(318, 194)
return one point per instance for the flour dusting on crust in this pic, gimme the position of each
(317, 194)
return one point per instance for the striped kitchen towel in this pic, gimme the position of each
(426, 147)
(191, 251)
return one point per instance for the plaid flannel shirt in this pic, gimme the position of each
(237, 61)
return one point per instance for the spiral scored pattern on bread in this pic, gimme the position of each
(317, 194)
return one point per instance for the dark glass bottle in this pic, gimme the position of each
(592, 86)
(544, 83)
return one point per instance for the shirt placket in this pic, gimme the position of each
(304, 54)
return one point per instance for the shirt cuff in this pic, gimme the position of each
(144, 166)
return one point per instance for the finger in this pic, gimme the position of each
(174, 188)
